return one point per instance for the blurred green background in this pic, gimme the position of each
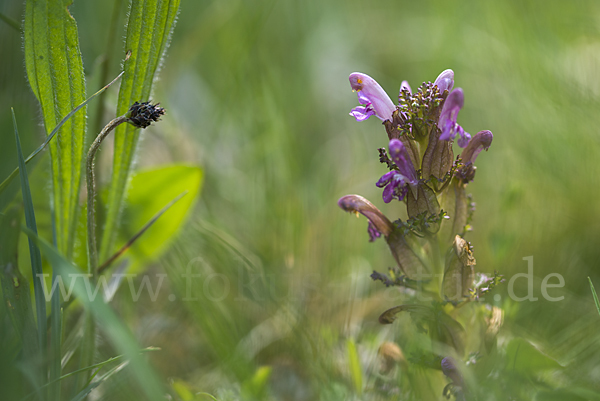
(256, 93)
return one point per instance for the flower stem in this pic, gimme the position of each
(88, 345)
(91, 192)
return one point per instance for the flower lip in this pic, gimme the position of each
(372, 96)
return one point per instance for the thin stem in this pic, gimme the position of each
(88, 344)
(91, 191)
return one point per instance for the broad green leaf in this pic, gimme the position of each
(149, 191)
(148, 30)
(523, 358)
(55, 73)
(106, 319)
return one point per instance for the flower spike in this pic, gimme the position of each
(373, 98)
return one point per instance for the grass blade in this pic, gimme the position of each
(84, 393)
(354, 365)
(118, 334)
(15, 289)
(148, 31)
(594, 295)
(95, 366)
(34, 252)
(11, 22)
(55, 73)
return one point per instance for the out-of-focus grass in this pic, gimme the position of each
(257, 92)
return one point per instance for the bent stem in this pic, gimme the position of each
(91, 191)
(88, 342)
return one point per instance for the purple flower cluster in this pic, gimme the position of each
(375, 102)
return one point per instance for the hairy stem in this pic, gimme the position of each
(91, 192)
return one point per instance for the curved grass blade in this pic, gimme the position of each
(125, 247)
(15, 172)
(84, 393)
(148, 30)
(55, 73)
(34, 252)
(131, 241)
(594, 295)
(105, 318)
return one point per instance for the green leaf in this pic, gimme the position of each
(106, 319)
(149, 191)
(55, 73)
(34, 252)
(524, 358)
(594, 295)
(148, 31)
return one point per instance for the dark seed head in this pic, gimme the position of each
(141, 115)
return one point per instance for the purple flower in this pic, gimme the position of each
(378, 223)
(373, 98)
(397, 182)
(447, 122)
(481, 141)
(445, 81)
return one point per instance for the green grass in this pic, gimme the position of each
(256, 93)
